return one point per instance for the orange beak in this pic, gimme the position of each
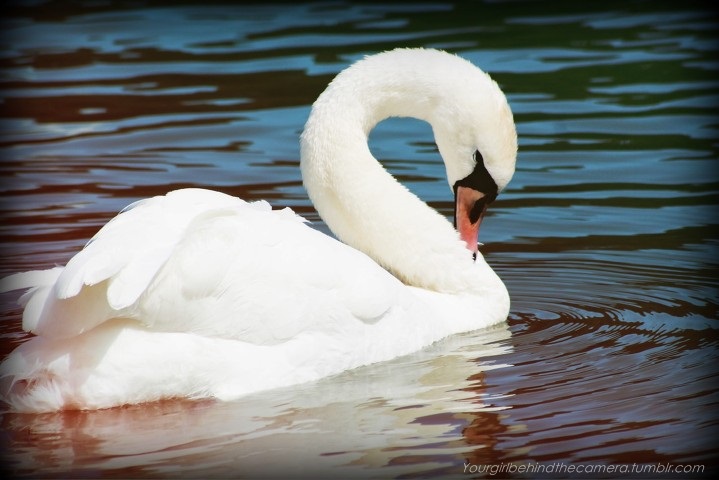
(469, 209)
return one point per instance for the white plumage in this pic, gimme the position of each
(197, 293)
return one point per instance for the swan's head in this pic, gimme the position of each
(473, 129)
(475, 133)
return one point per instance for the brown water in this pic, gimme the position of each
(606, 237)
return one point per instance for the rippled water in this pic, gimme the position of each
(606, 237)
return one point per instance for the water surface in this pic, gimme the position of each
(606, 237)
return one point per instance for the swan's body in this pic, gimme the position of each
(197, 293)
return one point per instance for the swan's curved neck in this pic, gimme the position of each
(361, 202)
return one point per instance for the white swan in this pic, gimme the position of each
(199, 294)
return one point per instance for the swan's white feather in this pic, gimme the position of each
(38, 284)
(35, 278)
(118, 246)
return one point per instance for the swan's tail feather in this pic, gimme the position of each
(39, 284)
(32, 279)
(27, 382)
(27, 385)
(41, 394)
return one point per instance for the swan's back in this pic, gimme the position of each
(205, 262)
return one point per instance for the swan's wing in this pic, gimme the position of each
(265, 277)
(114, 268)
(201, 261)
(130, 248)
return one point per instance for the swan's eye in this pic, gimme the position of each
(480, 179)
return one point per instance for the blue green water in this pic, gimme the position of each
(606, 237)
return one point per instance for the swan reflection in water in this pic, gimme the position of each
(364, 418)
